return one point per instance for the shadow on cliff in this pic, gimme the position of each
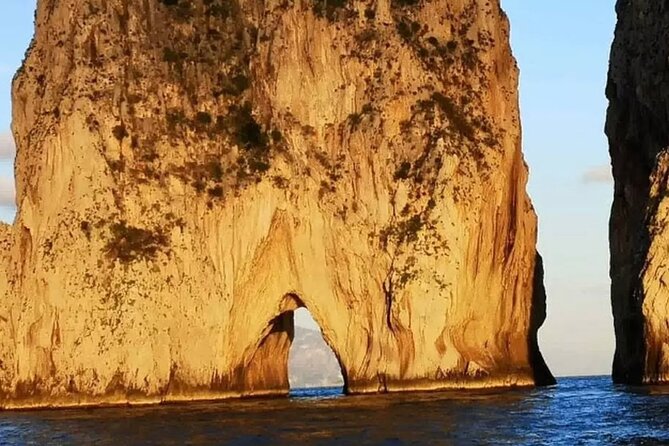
(637, 136)
(542, 375)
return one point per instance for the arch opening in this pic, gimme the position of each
(313, 367)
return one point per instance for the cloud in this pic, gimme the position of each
(7, 147)
(599, 289)
(7, 192)
(598, 174)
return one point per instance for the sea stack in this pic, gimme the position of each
(189, 172)
(638, 131)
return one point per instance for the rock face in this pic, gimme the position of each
(191, 172)
(638, 131)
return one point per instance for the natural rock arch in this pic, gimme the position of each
(168, 200)
(267, 370)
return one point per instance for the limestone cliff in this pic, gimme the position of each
(190, 172)
(638, 131)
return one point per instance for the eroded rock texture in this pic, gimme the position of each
(190, 172)
(638, 130)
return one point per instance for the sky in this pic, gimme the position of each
(16, 29)
(562, 49)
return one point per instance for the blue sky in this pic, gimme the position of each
(16, 28)
(562, 50)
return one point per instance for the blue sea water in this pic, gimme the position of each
(579, 411)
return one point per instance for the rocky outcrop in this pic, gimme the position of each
(638, 131)
(191, 172)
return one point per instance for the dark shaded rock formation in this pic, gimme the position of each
(638, 130)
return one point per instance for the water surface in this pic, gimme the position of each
(579, 411)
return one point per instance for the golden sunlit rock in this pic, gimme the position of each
(191, 172)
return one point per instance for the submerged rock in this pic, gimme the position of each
(191, 172)
(638, 131)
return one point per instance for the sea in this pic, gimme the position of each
(577, 411)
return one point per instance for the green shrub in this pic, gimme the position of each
(403, 231)
(203, 119)
(175, 118)
(258, 165)
(408, 30)
(216, 191)
(116, 165)
(455, 115)
(329, 9)
(173, 57)
(130, 243)
(404, 3)
(221, 9)
(235, 85)
(181, 8)
(215, 170)
(249, 135)
(241, 82)
(280, 182)
(247, 132)
(408, 229)
(86, 228)
(402, 172)
(276, 136)
(120, 132)
(355, 119)
(367, 36)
